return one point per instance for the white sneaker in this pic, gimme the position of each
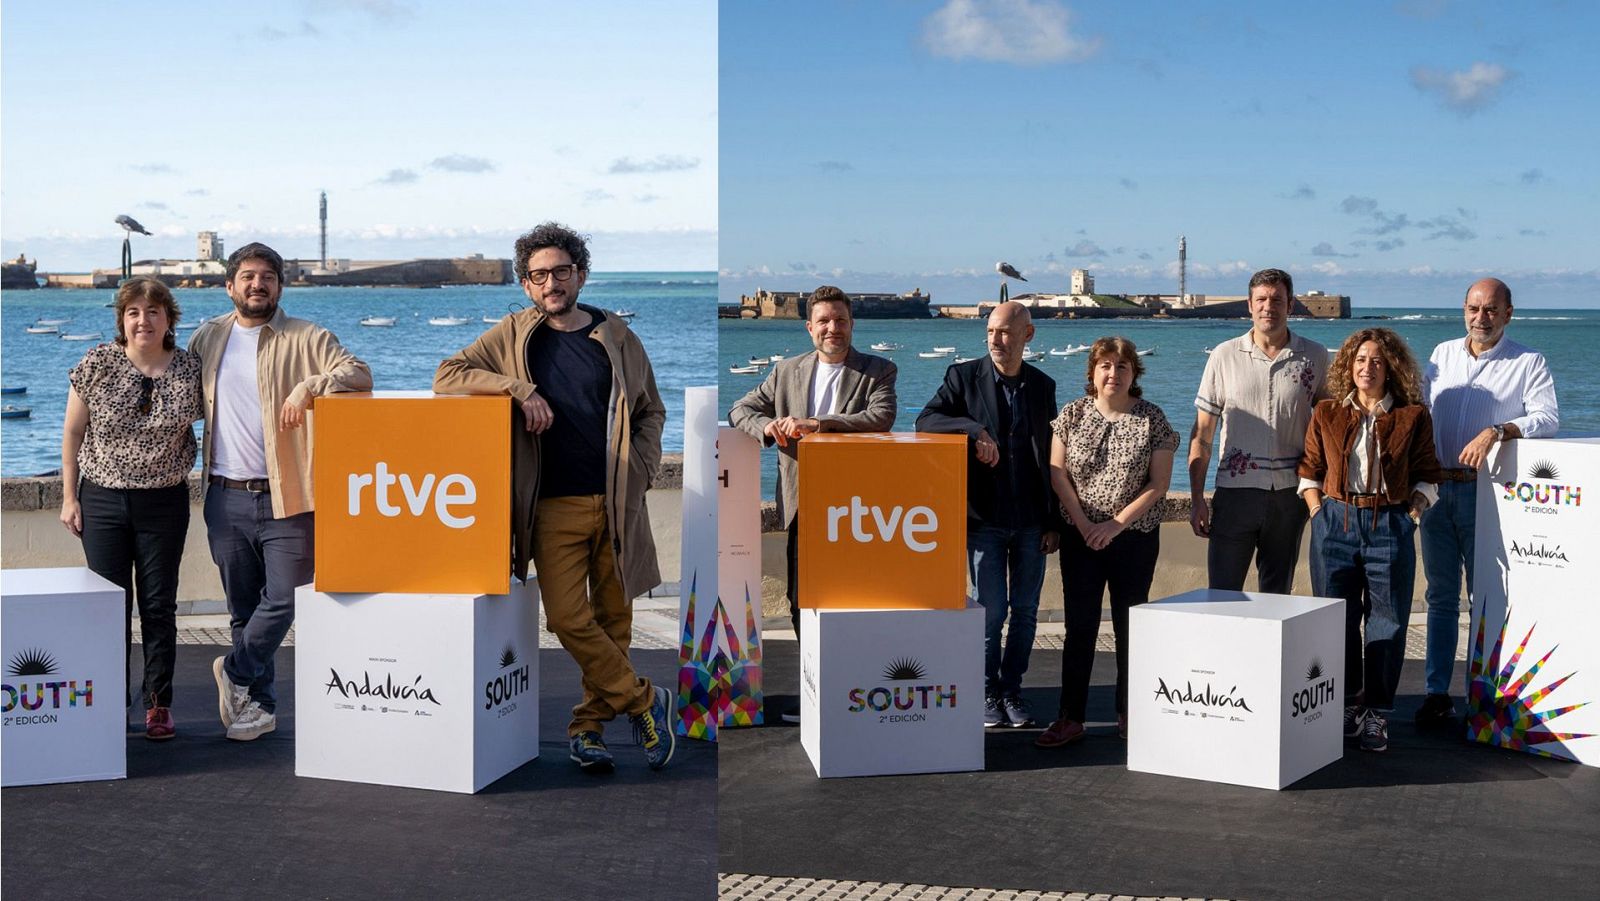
(231, 699)
(253, 723)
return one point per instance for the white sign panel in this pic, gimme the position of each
(891, 691)
(1236, 687)
(65, 680)
(418, 690)
(1533, 681)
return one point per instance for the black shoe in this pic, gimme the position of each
(1353, 717)
(1016, 711)
(1374, 732)
(791, 714)
(1437, 712)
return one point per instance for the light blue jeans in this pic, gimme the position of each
(993, 554)
(1448, 530)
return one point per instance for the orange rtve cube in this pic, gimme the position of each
(413, 493)
(885, 520)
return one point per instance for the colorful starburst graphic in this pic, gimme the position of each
(719, 682)
(1500, 708)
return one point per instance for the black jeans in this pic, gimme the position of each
(134, 537)
(792, 549)
(1260, 523)
(1127, 566)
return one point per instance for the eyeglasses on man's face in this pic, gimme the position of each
(561, 273)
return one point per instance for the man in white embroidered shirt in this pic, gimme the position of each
(1481, 389)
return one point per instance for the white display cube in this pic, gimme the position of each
(65, 690)
(891, 691)
(437, 691)
(1236, 687)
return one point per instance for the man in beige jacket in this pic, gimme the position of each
(260, 370)
(586, 441)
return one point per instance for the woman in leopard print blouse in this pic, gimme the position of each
(1110, 463)
(126, 451)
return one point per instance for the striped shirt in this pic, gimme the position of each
(1264, 404)
(1508, 383)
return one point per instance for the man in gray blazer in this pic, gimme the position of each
(836, 389)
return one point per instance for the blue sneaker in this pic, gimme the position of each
(590, 754)
(652, 730)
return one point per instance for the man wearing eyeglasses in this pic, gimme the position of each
(586, 442)
(260, 370)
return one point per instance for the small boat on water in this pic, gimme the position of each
(14, 389)
(934, 355)
(379, 321)
(624, 314)
(757, 361)
(775, 358)
(965, 359)
(449, 320)
(492, 320)
(886, 345)
(187, 326)
(745, 370)
(43, 330)
(1031, 356)
(948, 350)
(84, 336)
(12, 411)
(43, 321)
(1145, 353)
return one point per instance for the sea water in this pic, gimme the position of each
(675, 321)
(1172, 373)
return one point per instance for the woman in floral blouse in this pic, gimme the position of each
(126, 451)
(1110, 462)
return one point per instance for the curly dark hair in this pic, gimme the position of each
(1401, 376)
(255, 250)
(147, 287)
(1114, 346)
(550, 234)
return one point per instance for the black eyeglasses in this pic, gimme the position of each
(562, 273)
(147, 387)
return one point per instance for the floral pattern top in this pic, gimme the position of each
(126, 448)
(1264, 405)
(1110, 458)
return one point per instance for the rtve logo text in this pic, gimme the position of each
(867, 524)
(452, 490)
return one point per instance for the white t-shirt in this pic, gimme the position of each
(238, 444)
(825, 389)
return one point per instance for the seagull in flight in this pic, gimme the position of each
(131, 224)
(1009, 271)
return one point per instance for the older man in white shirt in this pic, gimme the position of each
(1481, 389)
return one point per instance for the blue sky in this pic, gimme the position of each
(1392, 151)
(436, 129)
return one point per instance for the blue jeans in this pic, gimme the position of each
(262, 560)
(1369, 558)
(1448, 534)
(993, 554)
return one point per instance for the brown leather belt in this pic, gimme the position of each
(1366, 501)
(1460, 475)
(255, 486)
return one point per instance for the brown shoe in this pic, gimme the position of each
(1061, 732)
(158, 724)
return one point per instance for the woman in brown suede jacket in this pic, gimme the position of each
(1368, 472)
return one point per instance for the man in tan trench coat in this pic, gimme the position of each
(586, 441)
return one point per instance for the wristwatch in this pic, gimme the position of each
(1499, 432)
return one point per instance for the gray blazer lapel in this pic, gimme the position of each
(799, 390)
(850, 381)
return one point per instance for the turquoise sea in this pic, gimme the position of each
(1565, 336)
(674, 310)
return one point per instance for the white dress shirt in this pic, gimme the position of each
(1506, 384)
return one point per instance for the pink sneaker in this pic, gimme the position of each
(1061, 732)
(158, 724)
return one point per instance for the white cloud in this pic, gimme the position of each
(1023, 32)
(1465, 92)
